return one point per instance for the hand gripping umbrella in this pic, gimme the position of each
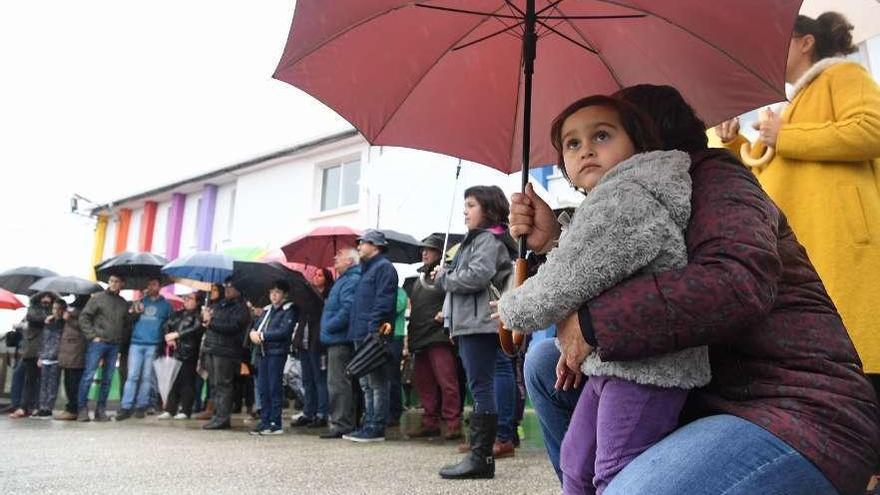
(456, 76)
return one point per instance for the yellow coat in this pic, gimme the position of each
(823, 178)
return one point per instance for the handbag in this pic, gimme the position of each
(373, 353)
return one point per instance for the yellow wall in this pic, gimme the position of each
(98, 249)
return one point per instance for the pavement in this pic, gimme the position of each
(151, 456)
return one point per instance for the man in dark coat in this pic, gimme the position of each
(226, 323)
(374, 304)
(435, 376)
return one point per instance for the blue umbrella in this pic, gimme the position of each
(201, 266)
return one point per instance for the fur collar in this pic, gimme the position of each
(813, 72)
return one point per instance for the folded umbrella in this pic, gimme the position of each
(135, 267)
(66, 285)
(166, 368)
(200, 269)
(9, 301)
(373, 353)
(18, 280)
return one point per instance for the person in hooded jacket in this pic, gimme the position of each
(273, 333)
(184, 331)
(26, 378)
(72, 358)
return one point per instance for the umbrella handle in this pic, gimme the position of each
(745, 152)
(512, 341)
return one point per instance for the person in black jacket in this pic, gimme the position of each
(26, 378)
(226, 322)
(272, 333)
(184, 332)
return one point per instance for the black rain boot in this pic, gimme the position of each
(479, 462)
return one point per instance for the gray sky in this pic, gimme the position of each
(107, 98)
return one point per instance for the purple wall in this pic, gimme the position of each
(174, 226)
(205, 221)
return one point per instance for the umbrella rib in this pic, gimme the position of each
(484, 38)
(566, 37)
(425, 74)
(464, 11)
(598, 54)
(698, 37)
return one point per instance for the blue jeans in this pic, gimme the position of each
(271, 368)
(377, 392)
(315, 384)
(505, 396)
(94, 354)
(717, 454)
(553, 407)
(490, 379)
(139, 384)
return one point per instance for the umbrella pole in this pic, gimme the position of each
(451, 209)
(511, 341)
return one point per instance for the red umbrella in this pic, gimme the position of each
(318, 247)
(175, 301)
(9, 301)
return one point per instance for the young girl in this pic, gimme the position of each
(633, 218)
(484, 256)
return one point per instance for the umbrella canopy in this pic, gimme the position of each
(455, 77)
(18, 280)
(200, 269)
(136, 268)
(66, 285)
(166, 369)
(402, 248)
(318, 247)
(174, 300)
(254, 279)
(9, 301)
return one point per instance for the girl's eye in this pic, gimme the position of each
(572, 144)
(601, 136)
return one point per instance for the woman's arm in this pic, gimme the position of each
(853, 135)
(728, 283)
(480, 269)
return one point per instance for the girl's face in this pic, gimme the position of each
(593, 142)
(318, 280)
(473, 213)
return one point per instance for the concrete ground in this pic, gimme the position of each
(152, 456)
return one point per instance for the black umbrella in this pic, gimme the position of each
(402, 248)
(17, 280)
(66, 285)
(254, 279)
(135, 268)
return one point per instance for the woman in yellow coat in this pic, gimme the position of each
(822, 174)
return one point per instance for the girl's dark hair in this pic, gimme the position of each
(832, 32)
(493, 203)
(637, 126)
(675, 122)
(328, 282)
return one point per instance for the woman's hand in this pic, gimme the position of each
(728, 130)
(574, 351)
(439, 317)
(532, 217)
(255, 337)
(436, 271)
(768, 127)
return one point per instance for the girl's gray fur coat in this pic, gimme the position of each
(632, 222)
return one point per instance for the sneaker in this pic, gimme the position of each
(319, 422)
(83, 415)
(101, 415)
(121, 415)
(367, 435)
(272, 430)
(180, 415)
(301, 421)
(258, 430)
(65, 416)
(42, 414)
(333, 433)
(139, 413)
(165, 415)
(217, 425)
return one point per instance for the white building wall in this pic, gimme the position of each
(134, 229)
(159, 234)
(188, 236)
(221, 237)
(110, 238)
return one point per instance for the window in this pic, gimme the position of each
(339, 185)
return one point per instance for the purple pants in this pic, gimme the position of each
(614, 421)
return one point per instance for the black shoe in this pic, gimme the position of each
(301, 421)
(333, 433)
(479, 462)
(121, 415)
(139, 413)
(83, 415)
(217, 425)
(319, 422)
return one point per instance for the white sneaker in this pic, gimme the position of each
(164, 415)
(181, 416)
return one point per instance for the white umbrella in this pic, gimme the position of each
(166, 368)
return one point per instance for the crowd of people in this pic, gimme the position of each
(716, 330)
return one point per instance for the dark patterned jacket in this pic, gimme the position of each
(780, 354)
